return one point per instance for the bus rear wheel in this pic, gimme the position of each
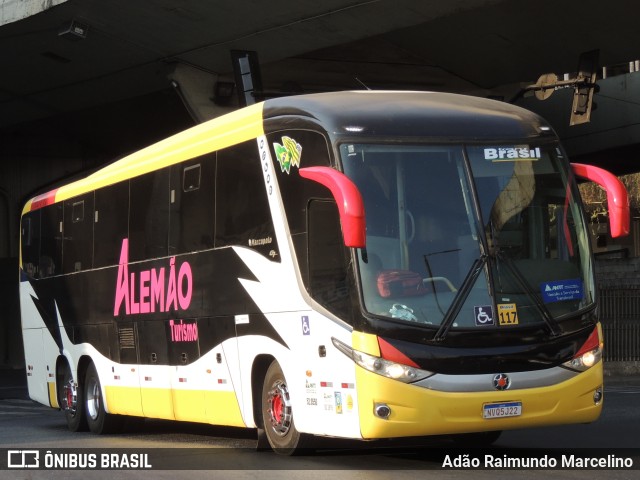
(277, 414)
(98, 419)
(70, 399)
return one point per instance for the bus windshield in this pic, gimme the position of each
(473, 236)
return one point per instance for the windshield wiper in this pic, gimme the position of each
(526, 288)
(461, 297)
(469, 282)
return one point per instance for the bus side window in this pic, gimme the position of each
(50, 260)
(149, 215)
(328, 258)
(111, 223)
(78, 234)
(30, 238)
(192, 205)
(243, 217)
(312, 217)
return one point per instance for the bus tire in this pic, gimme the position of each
(277, 414)
(71, 400)
(98, 419)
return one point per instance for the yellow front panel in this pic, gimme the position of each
(365, 342)
(419, 411)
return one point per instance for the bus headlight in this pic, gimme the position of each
(381, 366)
(589, 358)
(588, 355)
(585, 361)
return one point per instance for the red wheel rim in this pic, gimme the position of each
(279, 408)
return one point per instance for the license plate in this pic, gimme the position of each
(502, 410)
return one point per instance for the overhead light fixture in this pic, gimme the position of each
(223, 92)
(74, 30)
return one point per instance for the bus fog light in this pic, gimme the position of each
(382, 410)
(597, 396)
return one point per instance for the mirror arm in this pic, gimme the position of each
(348, 199)
(617, 197)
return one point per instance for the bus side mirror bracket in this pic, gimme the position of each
(617, 198)
(348, 199)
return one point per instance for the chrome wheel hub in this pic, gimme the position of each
(94, 399)
(279, 407)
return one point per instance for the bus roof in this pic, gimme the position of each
(425, 115)
(438, 116)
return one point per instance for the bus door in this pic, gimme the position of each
(154, 372)
(204, 388)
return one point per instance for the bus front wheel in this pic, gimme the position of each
(98, 419)
(277, 413)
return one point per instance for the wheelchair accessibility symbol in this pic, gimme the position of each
(483, 315)
(306, 329)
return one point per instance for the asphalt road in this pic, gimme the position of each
(193, 451)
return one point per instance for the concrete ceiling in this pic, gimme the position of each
(471, 46)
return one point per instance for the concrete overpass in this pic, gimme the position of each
(85, 81)
(121, 49)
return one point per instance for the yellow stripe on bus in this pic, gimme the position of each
(53, 395)
(203, 406)
(124, 400)
(222, 132)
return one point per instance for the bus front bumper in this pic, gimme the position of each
(419, 411)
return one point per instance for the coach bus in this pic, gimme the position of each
(363, 265)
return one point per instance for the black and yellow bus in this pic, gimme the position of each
(361, 265)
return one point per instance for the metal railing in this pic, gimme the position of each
(620, 316)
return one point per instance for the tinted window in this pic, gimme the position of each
(111, 223)
(328, 258)
(191, 175)
(192, 205)
(149, 215)
(78, 234)
(312, 150)
(291, 150)
(50, 260)
(242, 208)
(30, 238)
